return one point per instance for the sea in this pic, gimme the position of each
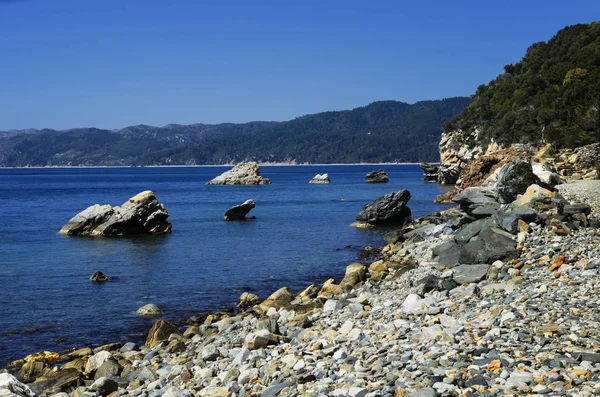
(301, 235)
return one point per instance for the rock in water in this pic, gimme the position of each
(377, 176)
(141, 214)
(239, 212)
(241, 174)
(149, 310)
(320, 179)
(514, 179)
(388, 210)
(430, 171)
(99, 277)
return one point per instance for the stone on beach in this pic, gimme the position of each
(241, 174)
(239, 212)
(141, 214)
(160, 332)
(10, 386)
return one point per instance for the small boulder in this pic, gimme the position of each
(430, 172)
(281, 298)
(533, 192)
(377, 176)
(257, 340)
(104, 386)
(141, 214)
(320, 179)
(241, 174)
(99, 277)
(490, 245)
(149, 310)
(248, 300)
(355, 274)
(466, 274)
(239, 212)
(387, 210)
(160, 332)
(514, 179)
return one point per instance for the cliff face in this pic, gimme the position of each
(457, 149)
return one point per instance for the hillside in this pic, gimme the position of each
(551, 96)
(386, 131)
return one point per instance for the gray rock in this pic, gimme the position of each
(425, 392)
(514, 179)
(466, 274)
(467, 232)
(104, 386)
(141, 214)
(9, 385)
(447, 253)
(239, 212)
(474, 195)
(276, 389)
(108, 369)
(377, 176)
(430, 171)
(99, 277)
(509, 221)
(387, 210)
(490, 245)
(241, 174)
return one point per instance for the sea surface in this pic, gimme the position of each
(301, 235)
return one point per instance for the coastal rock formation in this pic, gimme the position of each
(241, 174)
(377, 176)
(320, 179)
(583, 161)
(457, 149)
(387, 210)
(141, 214)
(239, 212)
(99, 277)
(430, 171)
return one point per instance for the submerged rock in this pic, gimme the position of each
(430, 171)
(320, 179)
(99, 277)
(377, 176)
(239, 212)
(149, 310)
(141, 214)
(387, 210)
(241, 174)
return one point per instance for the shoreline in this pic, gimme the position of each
(385, 322)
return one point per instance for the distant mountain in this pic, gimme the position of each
(386, 131)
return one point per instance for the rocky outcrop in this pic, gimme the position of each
(141, 214)
(239, 212)
(320, 179)
(457, 149)
(430, 172)
(483, 169)
(514, 179)
(99, 277)
(241, 174)
(377, 176)
(387, 210)
(581, 162)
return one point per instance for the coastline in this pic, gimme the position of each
(476, 337)
(203, 165)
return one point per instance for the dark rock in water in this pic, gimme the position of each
(141, 214)
(466, 274)
(387, 210)
(377, 176)
(239, 212)
(514, 179)
(490, 245)
(431, 171)
(99, 277)
(241, 174)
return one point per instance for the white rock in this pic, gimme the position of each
(10, 386)
(97, 360)
(357, 392)
(258, 339)
(149, 310)
(332, 305)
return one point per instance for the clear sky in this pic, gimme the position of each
(114, 63)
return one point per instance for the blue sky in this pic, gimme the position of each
(114, 63)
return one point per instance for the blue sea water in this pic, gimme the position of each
(300, 236)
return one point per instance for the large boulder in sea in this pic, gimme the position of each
(239, 212)
(377, 176)
(387, 210)
(430, 172)
(320, 179)
(241, 174)
(141, 214)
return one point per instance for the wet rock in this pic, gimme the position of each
(149, 310)
(99, 277)
(239, 212)
(241, 174)
(141, 214)
(387, 210)
(377, 176)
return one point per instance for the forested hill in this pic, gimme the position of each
(386, 131)
(551, 96)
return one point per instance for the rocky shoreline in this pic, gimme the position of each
(413, 323)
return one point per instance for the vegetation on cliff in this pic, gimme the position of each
(551, 96)
(385, 131)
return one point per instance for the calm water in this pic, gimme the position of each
(299, 237)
